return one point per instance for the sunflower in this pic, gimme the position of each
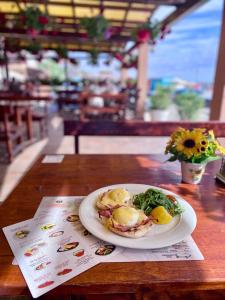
(189, 142)
(203, 145)
(220, 148)
(211, 135)
(173, 137)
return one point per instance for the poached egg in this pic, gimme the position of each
(113, 198)
(127, 216)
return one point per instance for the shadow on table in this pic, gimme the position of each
(10, 174)
(209, 194)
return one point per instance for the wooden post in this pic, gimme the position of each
(218, 101)
(66, 72)
(123, 76)
(6, 65)
(142, 79)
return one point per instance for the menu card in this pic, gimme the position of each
(53, 159)
(54, 247)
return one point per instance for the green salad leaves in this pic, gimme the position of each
(153, 198)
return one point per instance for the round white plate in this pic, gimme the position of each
(159, 235)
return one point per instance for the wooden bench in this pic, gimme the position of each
(133, 128)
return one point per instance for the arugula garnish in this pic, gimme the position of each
(153, 198)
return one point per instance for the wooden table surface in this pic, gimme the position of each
(82, 174)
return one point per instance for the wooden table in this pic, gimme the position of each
(82, 174)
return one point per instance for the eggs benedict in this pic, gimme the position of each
(113, 199)
(129, 222)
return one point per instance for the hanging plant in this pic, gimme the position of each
(164, 31)
(21, 57)
(148, 32)
(127, 60)
(56, 59)
(73, 61)
(12, 45)
(39, 57)
(119, 56)
(62, 52)
(108, 61)
(93, 57)
(130, 62)
(97, 28)
(34, 20)
(34, 48)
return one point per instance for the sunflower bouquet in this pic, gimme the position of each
(197, 146)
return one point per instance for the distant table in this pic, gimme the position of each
(21, 98)
(82, 174)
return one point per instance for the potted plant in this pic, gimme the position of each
(62, 52)
(93, 57)
(97, 27)
(34, 47)
(194, 149)
(150, 31)
(34, 20)
(160, 102)
(188, 104)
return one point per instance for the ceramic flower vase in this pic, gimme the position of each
(192, 172)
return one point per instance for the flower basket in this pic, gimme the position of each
(97, 28)
(149, 32)
(34, 48)
(62, 52)
(34, 20)
(143, 35)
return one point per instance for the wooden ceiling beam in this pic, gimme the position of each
(61, 36)
(83, 5)
(71, 18)
(154, 2)
(182, 10)
(76, 27)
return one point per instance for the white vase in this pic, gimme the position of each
(192, 172)
(159, 114)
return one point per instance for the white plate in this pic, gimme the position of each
(159, 236)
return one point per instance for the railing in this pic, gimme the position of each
(133, 128)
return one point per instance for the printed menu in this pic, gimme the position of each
(53, 159)
(54, 247)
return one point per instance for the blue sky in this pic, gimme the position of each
(188, 52)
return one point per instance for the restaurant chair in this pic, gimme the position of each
(42, 120)
(14, 133)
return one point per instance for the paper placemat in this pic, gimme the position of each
(54, 247)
